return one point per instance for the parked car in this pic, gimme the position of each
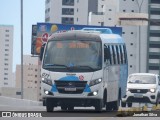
(142, 88)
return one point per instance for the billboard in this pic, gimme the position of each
(44, 30)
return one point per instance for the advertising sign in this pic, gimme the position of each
(44, 30)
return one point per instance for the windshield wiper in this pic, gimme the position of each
(81, 66)
(59, 65)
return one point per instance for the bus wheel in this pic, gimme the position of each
(63, 107)
(99, 106)
(49, 105)
(129, 104)
(70, 108)
(108, 106)
(116, 105)
(123, 104)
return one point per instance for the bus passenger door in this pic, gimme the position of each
(107, 61)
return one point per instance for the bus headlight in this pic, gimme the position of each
(94, 82)
(152, 90)
(47, 81)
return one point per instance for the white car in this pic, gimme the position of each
(142, 88)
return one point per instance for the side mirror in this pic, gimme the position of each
(41, 52)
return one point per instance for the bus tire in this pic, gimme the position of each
(49, 105)
(70, 108)
(116, 105)
(123, 104)
(64, 107)
(129, 104)
(109, 106)
(99, 106)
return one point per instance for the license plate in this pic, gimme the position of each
(70, 89)
(138, 95)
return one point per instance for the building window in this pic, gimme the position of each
(67, 11)
(7, 30)
(35, 82)
(131, 55)
(18, 93)
(35, 75)
(110, 9)
(6, 49)
(6, 54)
(7, 45)
(109, 19)
(7, 40)
(5, 68)
(102, 6)
(131, 32)
(5, 73)
(6, 59)
(7, 35)
(5, 83)
(77, 1)
(68, 2)
(6, 64)
(132, 10)
(36, 70)
(47, 1)
(77, 19)
(131, 66)
(67, 20)
(47, 19)
(123, 32)
(131, 43)
(5, 78)
(124, 10)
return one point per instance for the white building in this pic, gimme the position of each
(153, 48)
(69, 11)
(6, 55)
(31, 78)
(108, 15)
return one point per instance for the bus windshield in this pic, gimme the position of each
(73, 55)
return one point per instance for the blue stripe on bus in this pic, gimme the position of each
(54, 88)
(70, 78)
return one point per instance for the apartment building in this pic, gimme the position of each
(69, 11)
(153, 46)
(135, 36)
(31, 78)
(6, 53)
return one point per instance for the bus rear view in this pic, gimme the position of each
(75, 72)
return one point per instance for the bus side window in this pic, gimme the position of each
(107, 54)
(118, 54)
(114, 55)
(121, 54)
(125, 54)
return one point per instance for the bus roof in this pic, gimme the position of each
(80, 34)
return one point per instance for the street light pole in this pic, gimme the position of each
(139, 37)
(21, 49)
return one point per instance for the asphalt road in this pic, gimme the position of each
(78, 114)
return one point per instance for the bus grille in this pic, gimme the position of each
(138, 90)
(70, 87)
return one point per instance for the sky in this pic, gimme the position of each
(33, 12)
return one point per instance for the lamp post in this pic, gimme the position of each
(21, 49)
(139, 30)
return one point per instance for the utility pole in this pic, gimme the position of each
(139, 35)
(21, 49)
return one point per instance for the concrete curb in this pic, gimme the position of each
(18, 102)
